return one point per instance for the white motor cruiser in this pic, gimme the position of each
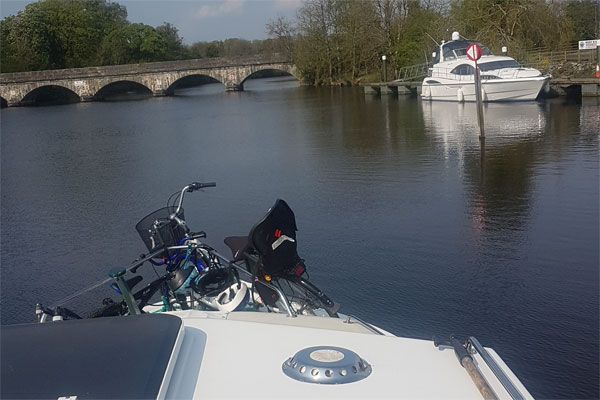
(452, 76)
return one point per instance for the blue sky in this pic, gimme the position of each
(198, 20)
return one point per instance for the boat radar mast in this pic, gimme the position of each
(455, 35)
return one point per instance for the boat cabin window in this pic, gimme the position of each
(448, 54)
(458, 48)
(463, 69)
(490, 66)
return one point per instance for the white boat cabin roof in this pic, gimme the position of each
(455, 49)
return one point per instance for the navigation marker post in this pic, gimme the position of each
(474, 53)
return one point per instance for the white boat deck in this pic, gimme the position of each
(240, 355)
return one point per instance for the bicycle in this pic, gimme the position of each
(196, 276)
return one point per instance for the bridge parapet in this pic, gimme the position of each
(129, 69)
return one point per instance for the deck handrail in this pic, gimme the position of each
(510, 387)
(363, 323)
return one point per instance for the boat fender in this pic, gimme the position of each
(427, 93)
(460, 96)
(483, 94)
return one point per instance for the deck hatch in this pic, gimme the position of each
(326, 365)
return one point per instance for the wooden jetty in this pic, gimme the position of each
(589, 87)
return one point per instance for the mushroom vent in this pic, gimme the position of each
(327, 365)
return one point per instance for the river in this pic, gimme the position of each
(402, 218)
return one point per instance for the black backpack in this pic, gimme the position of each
(274, 240)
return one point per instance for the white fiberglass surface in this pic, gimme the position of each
(237, 359)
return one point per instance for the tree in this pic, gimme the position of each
(214, 49)
(361, 42)
(518, 24)
(319, 44)
(55, 34)
(237, 47)
(175, 50)
(390, 16)
(584, 17)
(413, 42)
(134, 43)
(30, 42)
(282, 31)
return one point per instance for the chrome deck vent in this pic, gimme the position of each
(327, 365)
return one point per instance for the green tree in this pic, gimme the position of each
(413, 43)
(584, 17)
(55, 34)
(28, 44)
(175, 50)
(237, 47)
(134, 43)
(214, 49)
(318, 49)
(79, 27)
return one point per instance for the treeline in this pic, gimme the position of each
(341, 40)
(56, 34)
(329, 40)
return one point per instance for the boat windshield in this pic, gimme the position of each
(493, 65)
(458, 48)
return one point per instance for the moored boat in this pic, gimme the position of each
(452, 76)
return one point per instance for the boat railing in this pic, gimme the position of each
(505, 73)
(413, 72)
(473, 346)
(286, 302)
(370, 327)
(446, 73)
(114, 277)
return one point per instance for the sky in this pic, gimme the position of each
(198, 20)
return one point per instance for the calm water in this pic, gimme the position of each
(402, 219)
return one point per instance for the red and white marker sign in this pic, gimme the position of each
(474, 52)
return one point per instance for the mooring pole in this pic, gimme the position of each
(598, 58)
(479, 102)
(474, 53)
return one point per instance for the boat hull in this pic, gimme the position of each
(492, 89)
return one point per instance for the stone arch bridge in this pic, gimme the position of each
(161, 78)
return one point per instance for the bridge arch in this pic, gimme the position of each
(126, 89)
(268, 73)
(190, 80)
(286, 68)
(50, 95)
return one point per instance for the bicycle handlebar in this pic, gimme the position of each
(190, 188)
(197, 185)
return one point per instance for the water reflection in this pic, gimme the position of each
(456, 123)
(497, 171)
